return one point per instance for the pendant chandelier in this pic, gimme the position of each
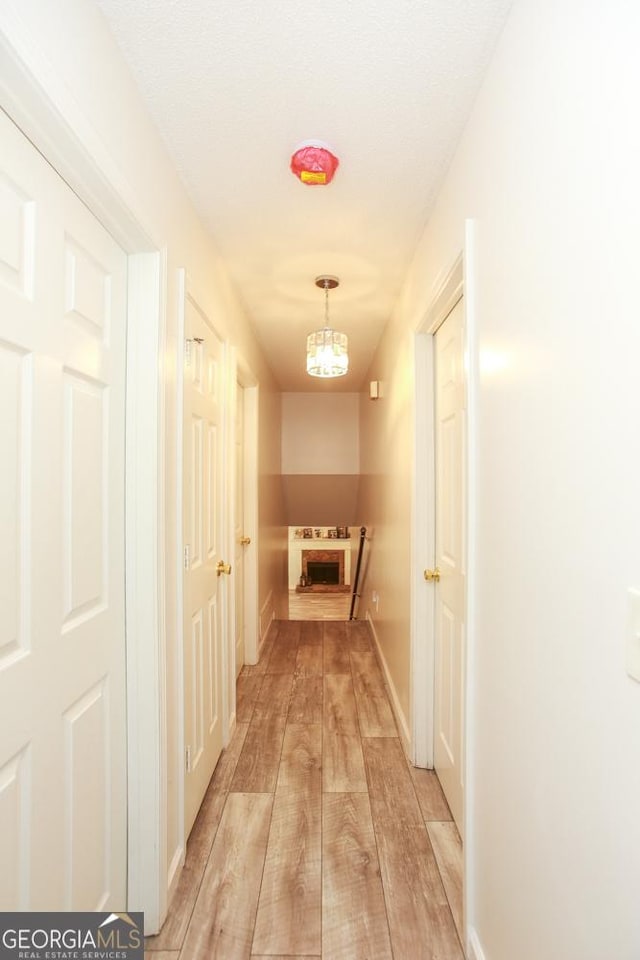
(327, 350)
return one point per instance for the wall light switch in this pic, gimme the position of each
(633, 634)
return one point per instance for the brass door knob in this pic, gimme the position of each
(223, 567)
(245, 541)
(432, 575)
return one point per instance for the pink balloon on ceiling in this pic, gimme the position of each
(313, 163)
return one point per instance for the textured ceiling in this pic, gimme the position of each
(235, 85)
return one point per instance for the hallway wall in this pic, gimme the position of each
(320, 458)
(384, 504)
(71, 51)
(547, 167)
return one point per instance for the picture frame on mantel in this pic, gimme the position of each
(321, 533)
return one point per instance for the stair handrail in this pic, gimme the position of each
(355, 594)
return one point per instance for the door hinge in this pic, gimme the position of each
(187, 556)
(187, 759)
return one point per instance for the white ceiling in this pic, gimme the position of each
(235, 85)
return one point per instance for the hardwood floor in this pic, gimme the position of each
(316, 839)
(319, 606)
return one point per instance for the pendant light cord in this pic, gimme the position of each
(326, 304)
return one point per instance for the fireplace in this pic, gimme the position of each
(321, 571)
(324, 569)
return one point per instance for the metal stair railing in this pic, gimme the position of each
(355, 595)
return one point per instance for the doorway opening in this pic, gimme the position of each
(441, 658)
(321, 561)
(28, 102)
(246, 628)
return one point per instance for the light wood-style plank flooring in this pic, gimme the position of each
(319, 606)
(316, 838)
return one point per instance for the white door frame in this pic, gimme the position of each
(459, 281)
(187, 290)
(424, 543)
(37, 100)
(250, 455)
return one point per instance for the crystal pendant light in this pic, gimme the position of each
(327, 350)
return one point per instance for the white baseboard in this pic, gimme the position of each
(267, 616)
(175, 872)
(401, 720)
(474, 949)
(266, 626)
(233, 723)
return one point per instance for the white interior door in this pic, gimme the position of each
(450, 552)
(63, 759)
(203, 633)
(240, 538)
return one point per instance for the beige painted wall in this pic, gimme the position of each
(548, 169)
(69, 44)
(320, 433)
(320, 458)
(384, 504)
(273, 544)
(320, 499)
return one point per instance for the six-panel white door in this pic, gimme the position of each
(62, 636)
(203, 631)
(450, 590)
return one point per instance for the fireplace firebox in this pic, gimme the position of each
(323, 570)
(319, 571)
